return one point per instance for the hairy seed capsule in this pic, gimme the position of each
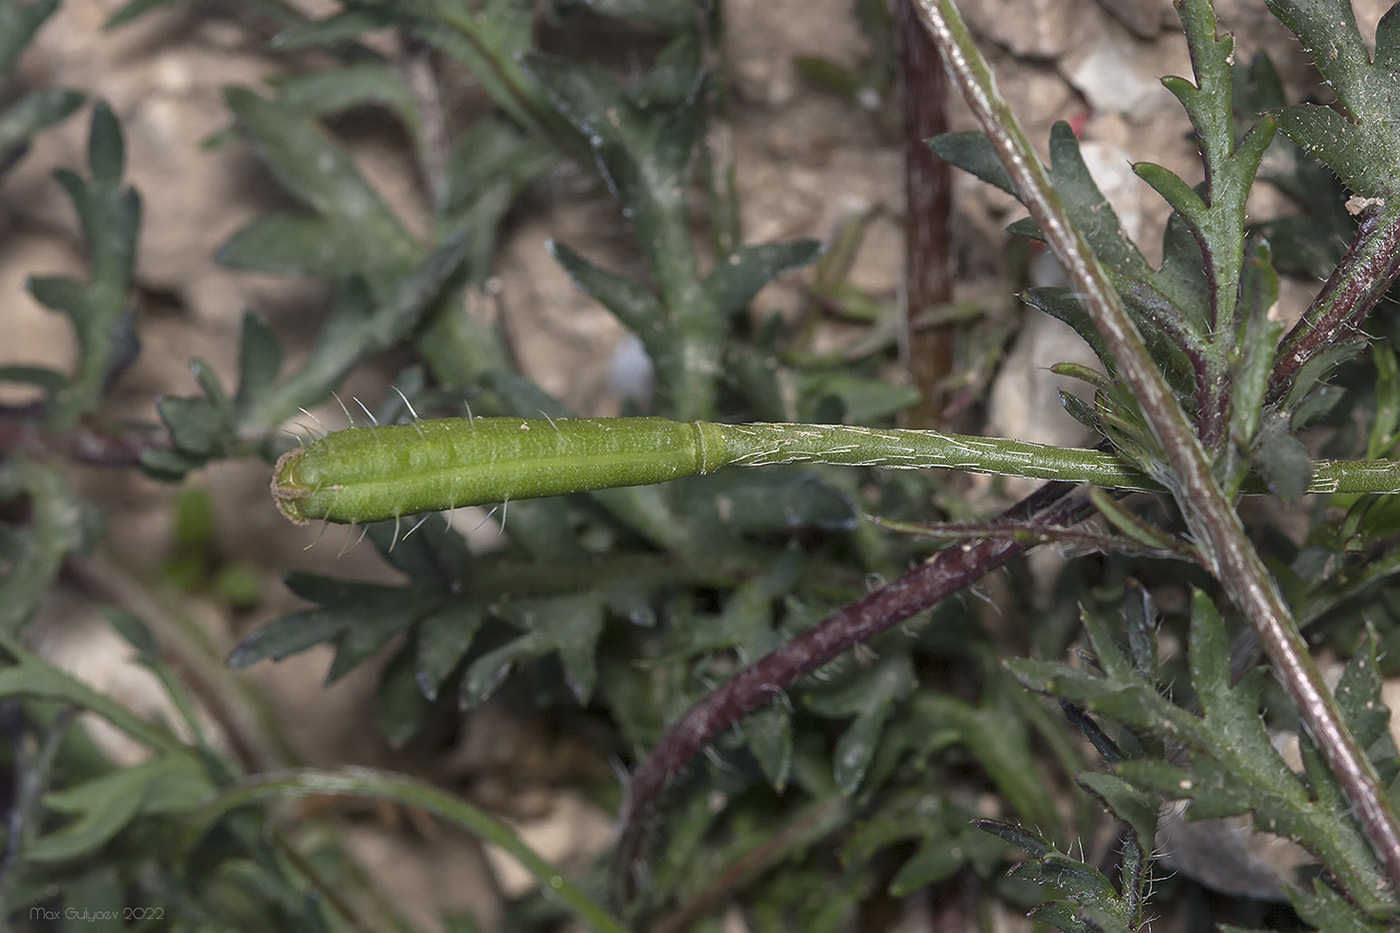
(376, 473)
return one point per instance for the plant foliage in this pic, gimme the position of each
(926, 760)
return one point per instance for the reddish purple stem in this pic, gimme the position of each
(1335, 316)
(928, 187)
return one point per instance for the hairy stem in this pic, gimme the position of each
(1334, 318)
(1209, 514)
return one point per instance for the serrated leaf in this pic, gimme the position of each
(104, 806)
(59, 292)
(1328, 910)
(1108, 655)
(1129, 524)
(55, 528)
(768, 735)
(1062, 304)
(642, 145)
(568, 626)
(1382, 437)
(110, 216)
(287, 635)
(1359, 695)
(1178, 194)
(365, 633)
(1084, 889)
(297, 244)
(1232, 766)
(399, 705)
(1089, 208)
(259, 362)
(1214, 793)
(1081, 883)
(444, 637)
(359, 325)
(355, 85)
(1125, 801)
(490, 41)
(491, 155)
(336, 29)
(892, 680)
(106, 151)
(33, 112)
(197, 426)
(973, 153)
(1361, 145)
(319, 172)
(18, 24)
(1282, 460)
(363, 616)
(1018, 836)
(746, 623)
(636, 307)
(748, 269)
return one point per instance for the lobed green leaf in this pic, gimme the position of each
(1359, 145)
(18, 24)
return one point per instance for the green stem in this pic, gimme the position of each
(1209, 513)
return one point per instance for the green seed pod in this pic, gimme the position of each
(371, 474)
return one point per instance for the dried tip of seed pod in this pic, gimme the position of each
(286, 491)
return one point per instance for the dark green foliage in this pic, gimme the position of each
(1228, 765)
(129, 817)
(1203, 312)
(1091, 903)
(1356, 144)
(35, 109)
(110, 215)
(613, 612)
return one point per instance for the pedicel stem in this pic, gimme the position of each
(368, 474)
